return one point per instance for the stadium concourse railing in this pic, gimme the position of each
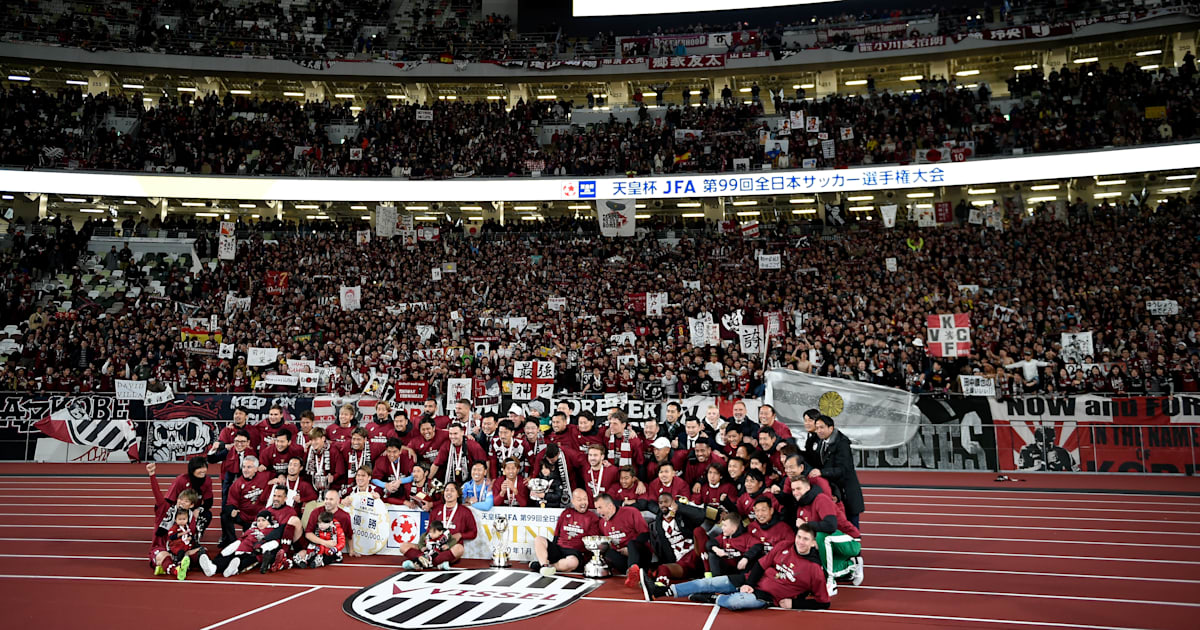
(947, 432)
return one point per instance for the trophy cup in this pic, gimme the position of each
(539, 486)
(596, 568)
(499, 544)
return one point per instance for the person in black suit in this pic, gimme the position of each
(810, 447)
(837, 466)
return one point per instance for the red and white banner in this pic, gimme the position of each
(949, 335)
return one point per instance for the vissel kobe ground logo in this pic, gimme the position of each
(463, 599)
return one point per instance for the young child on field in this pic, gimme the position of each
(315, 556)
(244, 553)
(435, 541)
(179, 541)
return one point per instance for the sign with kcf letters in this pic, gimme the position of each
(949, 335)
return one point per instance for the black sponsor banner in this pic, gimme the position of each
(954, 434)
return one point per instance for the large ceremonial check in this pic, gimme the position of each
(380, 528)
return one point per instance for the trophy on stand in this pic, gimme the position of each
(499, 544)
(596, 568)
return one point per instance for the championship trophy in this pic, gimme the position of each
(499, 544)
(596, 568)
(539, 486)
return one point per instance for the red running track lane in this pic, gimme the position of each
(920, 574)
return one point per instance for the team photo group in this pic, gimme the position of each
(736, 511)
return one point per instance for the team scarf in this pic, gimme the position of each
(565, 475)
(357, 461)
(318, 468)
(621, 453)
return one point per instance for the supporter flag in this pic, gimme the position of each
(364, 237)
(617, 217)
(888, 213)
(227, 244)
(750, 229)
(74, 423)
(385, 221)
(683, 157)
(874, 417)
(276, 281)
(446, 58)
(890, 263)
(943, 212)
(473, 228)
(925, 217)
(350, 298)
(751, 340)
(949, 335)
(655, 303)
(697, 332)
(976, 216)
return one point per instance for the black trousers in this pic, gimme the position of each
(638, 551)
(229, 522)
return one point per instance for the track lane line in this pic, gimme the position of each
(262, 608)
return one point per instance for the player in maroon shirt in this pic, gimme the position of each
(353, 455)
(628, 535)
(428, 441)
(666, 482)
(231, 466)
(628, 488)
(219, 451)
(380, 428)
(273, 425)
(340, 431)
(768, 420)
(505, 446)
(277, 544)
(589, 432)
(565, 435)
(623, 446)
(661, 453)
(768, 527)
(734, 549)
(714, 492)
(598, 475)
(275, 456)
(331, 505)
(838, 540)
(696, 464)
(453, 460)
(196, 478)
(299, 490)
(509, 489)
(187, 501)
(786, 578)
(459, 522)
(755, 489)
(391, 473)
(247, 497)
(442, 422)
(565, 552)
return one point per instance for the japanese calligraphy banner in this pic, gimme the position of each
(904, 44)
(261, 356)
(533, 379)
(750, 339)
(227, 244)
(977, 385)
(769, 261)
(1162, 307)
(655, 302)
(949, 335)
(686, 61)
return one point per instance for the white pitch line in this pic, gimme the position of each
(1048, 624)
(1014, 490)
(712, 616)
(160, 580)
(1033, 555)
(1027, 595)
(1052, 518)
(1024, 527)
(1085, 576)
(1043, 507)
(261, 608)
(874, 535)
(1046, 499)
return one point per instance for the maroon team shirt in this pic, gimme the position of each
(620, 495)
(228, 433)
(694, 471)
(281, 516)
(709, 495)
(774, 534)
(182, 483)
(338, 434)
(737, 545)
(597, 482)
(779, 428)
(573, 526)
(303, 489)
(626, 525)
(377, 437)
(428, 449)
(823, 506)
(457, 521)
(520, 498)
(568, 440)
(745, 503)
(788, 575)
(388, 471)
(272, 458)
(350, 460)
(679, 488)
(340, 515)
(249, 496)
(267, 431)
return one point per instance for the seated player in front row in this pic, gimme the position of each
(433, 543)
(790, 576)
(565, 552)
(459, 522)
(243, 554)
(316, 555)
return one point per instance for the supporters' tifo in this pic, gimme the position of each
(507, 308)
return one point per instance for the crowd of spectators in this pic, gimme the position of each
(1071, 109)
(317, 31)
(1048, 274)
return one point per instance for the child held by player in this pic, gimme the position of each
(179, 543)
(315, 556)
(435, 541)
(243, 554)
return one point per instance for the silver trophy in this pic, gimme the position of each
(537, 485)
(596, 568)
(499, 544)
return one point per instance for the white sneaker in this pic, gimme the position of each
(547, 571)
(856, 571)
(233, 567)
(831, 587)
(207, 566)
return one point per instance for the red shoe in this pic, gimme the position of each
(633, 576)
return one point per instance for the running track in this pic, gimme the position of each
(1054, 552)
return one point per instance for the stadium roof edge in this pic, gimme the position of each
(863, 178)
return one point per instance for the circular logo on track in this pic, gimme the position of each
(463, 599)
